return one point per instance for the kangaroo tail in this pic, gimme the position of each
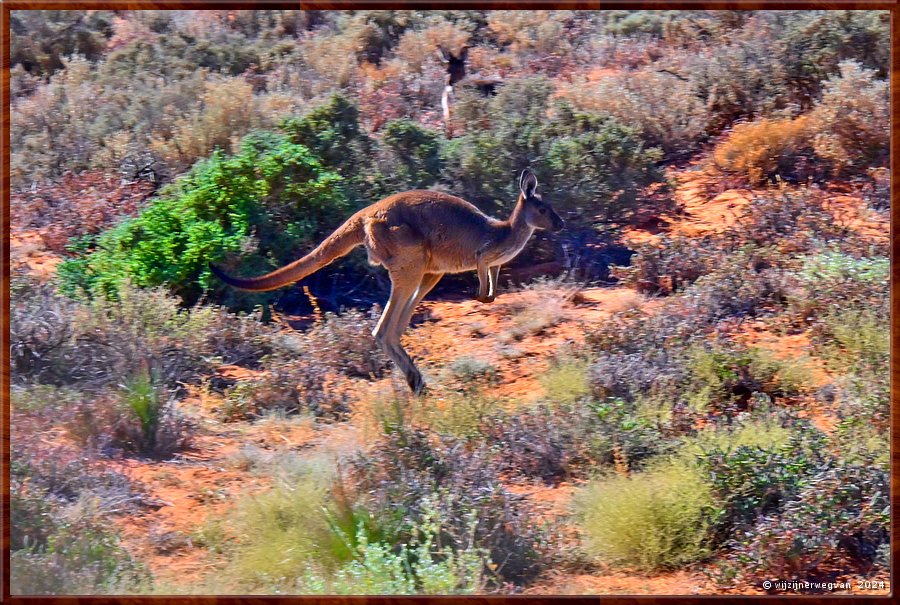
(338, 244)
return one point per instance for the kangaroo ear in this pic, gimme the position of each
(528, 182)
(443, 55)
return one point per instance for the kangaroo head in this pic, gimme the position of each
(456, 64)
(539, 214)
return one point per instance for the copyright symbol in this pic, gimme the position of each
(767, 585)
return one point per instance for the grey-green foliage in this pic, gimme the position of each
(589, 165)
(421, 567)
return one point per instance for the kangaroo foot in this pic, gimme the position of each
(416, 383)
(485, 299)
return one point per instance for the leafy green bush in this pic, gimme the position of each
(421, 567)
(272, 198)
(657, 519)
(332, 133)
(595, 165)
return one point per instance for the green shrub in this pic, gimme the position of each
(566, 381)
(332, 133)
(281, 531)
(654, 520)
(754, 477)
(414, 154)
(595, 165)
(272, 198)
(840, 518)
(590, 165)
(420, 567)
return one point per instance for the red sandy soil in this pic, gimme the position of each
(27, 251)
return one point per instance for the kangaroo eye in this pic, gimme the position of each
(543, 211)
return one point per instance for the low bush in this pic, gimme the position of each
(59, 341)
(312, 372)
(727, 378)
(420, 567)
(60, 536)
(669, 264)
(666, 110)
(768, 148)
(566, 381)
(80, 554)
(748, 283)
(654, 520)
(61, 475)
(755, 479)
(282, 531)
(839, 520)
(148, 422)
(539, 443)
(795, 220)
(851, 121)
(409, 476)
(469, 369)
(594, 165)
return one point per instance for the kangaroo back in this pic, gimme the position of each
(338, 244)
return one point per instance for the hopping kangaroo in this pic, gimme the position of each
(418, 236)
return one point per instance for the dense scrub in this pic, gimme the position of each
(147, 144)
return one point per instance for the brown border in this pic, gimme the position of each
(892, 5)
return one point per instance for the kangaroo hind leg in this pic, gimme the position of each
(404, 286)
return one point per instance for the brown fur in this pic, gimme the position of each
(418, 236)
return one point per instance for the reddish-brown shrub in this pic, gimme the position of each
(80, 204)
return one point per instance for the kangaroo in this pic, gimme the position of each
(456, 73)
(418, 236)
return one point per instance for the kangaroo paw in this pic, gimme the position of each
(416, 384)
